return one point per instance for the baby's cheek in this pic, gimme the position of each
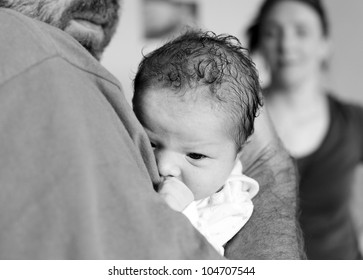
(204, 185)
(216, 180)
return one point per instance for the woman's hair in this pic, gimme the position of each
(217, 63)
(254, 30)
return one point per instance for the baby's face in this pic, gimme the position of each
(190, 139)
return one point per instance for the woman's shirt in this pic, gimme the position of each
(326, 179)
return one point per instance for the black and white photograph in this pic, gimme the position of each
(181, 130)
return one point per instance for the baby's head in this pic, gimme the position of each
(197, 97)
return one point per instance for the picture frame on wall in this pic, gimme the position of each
(162, 18)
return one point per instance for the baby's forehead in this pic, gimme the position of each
(189, 101)
(197, 102)
(186, 97)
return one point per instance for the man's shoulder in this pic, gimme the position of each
(16, 27)
(23, 44)
(29, 42)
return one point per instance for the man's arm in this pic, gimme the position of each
(273, 231)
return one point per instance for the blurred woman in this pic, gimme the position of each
(323, 134)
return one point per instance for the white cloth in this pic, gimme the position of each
(220, 216)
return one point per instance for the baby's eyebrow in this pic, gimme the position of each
(200, 145)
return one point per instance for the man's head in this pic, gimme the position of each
(91, 22)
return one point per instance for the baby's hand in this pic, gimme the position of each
(175, 193)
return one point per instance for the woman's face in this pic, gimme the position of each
(293, 43)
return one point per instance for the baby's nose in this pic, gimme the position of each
(168, 164)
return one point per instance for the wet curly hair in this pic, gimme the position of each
(203, 59)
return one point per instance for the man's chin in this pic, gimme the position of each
(88, 34)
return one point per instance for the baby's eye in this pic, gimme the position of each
(196, 156)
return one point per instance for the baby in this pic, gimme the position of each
(197, 97)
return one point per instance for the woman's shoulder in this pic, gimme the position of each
(345, 104)
(348, 109)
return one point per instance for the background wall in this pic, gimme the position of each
(347, 71)
(232, 16)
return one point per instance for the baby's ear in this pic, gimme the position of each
(248, 140)
(240, 149)
(239, 153)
